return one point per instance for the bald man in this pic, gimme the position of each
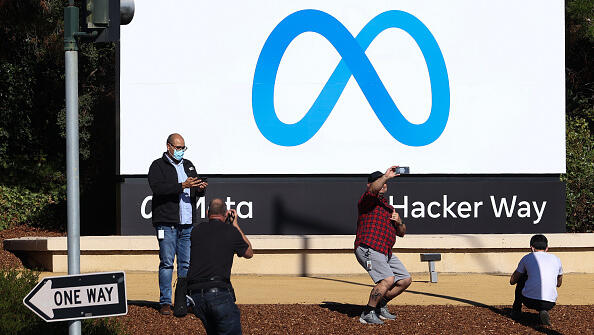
(176, 186)
(214, 243)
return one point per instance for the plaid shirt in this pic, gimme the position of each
(374, 227)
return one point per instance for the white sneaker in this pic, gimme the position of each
(384, 314)
(370, 318)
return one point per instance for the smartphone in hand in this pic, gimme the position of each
(402, 170)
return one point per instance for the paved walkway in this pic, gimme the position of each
(452, 289)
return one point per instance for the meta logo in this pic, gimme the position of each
(354, 62)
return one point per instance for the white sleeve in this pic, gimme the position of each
(560, 267)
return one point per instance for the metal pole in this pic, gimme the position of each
(72, 149)
(72, 176)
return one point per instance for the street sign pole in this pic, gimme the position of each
(101, 12)
(72, 154)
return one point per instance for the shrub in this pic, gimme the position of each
(15, 318)
(19, 205)
(102, 326)
(579, 177)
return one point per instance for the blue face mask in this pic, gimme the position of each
(178, 154)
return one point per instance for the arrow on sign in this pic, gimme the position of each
(79, 296)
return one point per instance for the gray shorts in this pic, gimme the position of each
(379, 266)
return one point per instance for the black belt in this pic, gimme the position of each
(209, 290)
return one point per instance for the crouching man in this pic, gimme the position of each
(537, 277)
(213, 245)
(378, 225)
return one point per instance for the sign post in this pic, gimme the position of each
(99, 14)
(72, 146)
(77, 297)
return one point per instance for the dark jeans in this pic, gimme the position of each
(218, 311)
(539, 305)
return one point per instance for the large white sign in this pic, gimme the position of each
(345, 86)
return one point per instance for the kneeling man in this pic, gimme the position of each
(537, 277)
(214, 243)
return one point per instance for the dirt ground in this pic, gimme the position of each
(457, 304)
(342, 319)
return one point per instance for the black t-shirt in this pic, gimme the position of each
(213, 245)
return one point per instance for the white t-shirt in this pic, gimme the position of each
(543, 269)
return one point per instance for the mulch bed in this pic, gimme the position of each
(342, 319)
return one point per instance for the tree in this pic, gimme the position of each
(32, 104)
(579, 53)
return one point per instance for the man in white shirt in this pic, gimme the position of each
(537, 277)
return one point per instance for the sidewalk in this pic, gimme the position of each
(451, 289)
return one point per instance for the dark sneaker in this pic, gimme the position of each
(384, 314)
(370, 318)
(543, 316)
(180, 305)
(165, 309)
(516, 315)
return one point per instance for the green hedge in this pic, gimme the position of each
(580, 176)
(15, 318)
(19, 205)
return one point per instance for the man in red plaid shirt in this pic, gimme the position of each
(377, 227)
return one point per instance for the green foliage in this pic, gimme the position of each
(32, 114)
(579, 59)
(32, 105)
(15, 318)
(580, 14)
(102, 326)
(579, 54)
(31, 85)
(18, 205)
(580, 176)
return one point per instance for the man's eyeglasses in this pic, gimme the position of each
(178, 147)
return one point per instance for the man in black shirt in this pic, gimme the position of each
(213, 245)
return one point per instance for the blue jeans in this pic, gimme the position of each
(176, 241)
(218, 312)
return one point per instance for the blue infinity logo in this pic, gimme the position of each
(354, 62)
